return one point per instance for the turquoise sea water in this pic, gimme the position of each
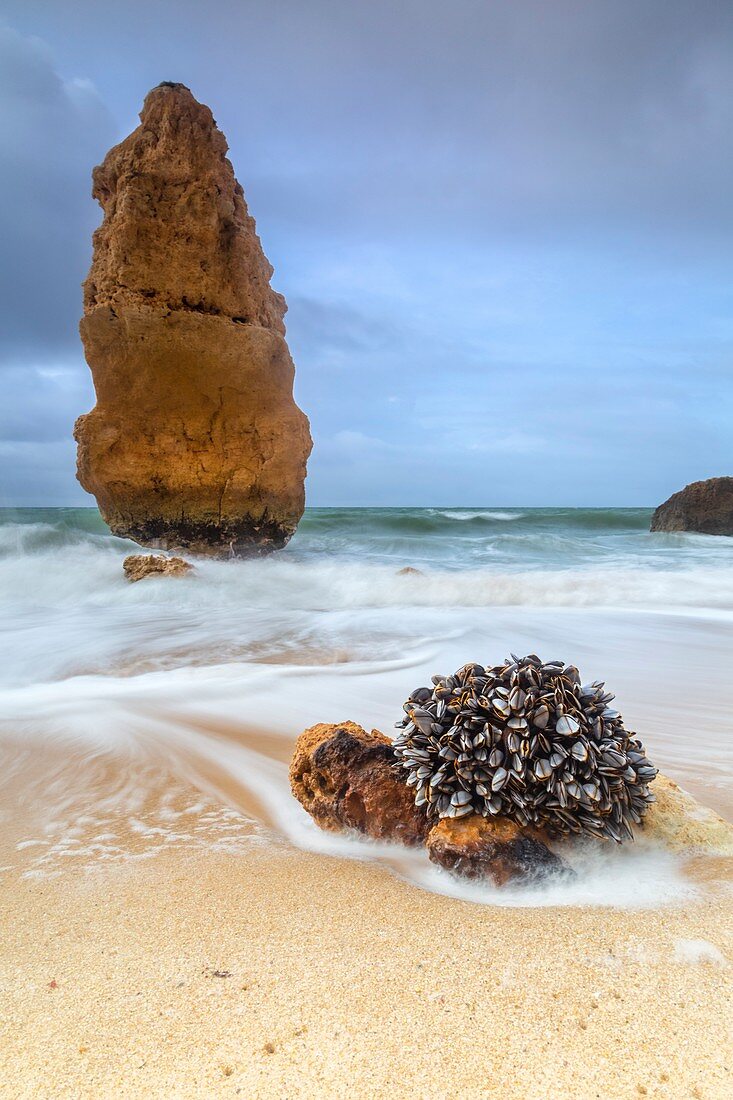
(469, 557)
(445, 538)
(213, 676)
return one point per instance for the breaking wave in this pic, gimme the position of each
(212, 676)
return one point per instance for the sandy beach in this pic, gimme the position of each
(215, 960)
(174, 925)
(366, 550)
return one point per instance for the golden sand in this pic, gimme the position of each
(255, 971)
(158, 944)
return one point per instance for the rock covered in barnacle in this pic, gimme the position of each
(345, 779)
(491, 848)
(138, 566)
(527, 741)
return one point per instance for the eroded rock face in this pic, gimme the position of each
(682, 824)
(138, 566)
(195, 440)
(704, 506)
(344, 778)
(495, 849)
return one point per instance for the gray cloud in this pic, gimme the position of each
(51, 132)
(504, 230)
(421, 116)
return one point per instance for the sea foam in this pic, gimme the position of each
(212, 677)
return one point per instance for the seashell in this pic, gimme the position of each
(567, 724)
(501, 775)
(517, 699)
(542, 769)
(541, 717)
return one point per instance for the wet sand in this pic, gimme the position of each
(211, 960)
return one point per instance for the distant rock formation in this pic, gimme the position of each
(138, 566)
(195, 440)
(704, 506)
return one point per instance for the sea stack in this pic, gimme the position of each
(703, 506)
(195, 440)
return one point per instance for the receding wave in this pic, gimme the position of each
(191, 727)
(212, 676)
(91, 573)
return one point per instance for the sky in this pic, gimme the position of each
(504, 232)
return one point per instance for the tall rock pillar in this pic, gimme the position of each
(195, 440)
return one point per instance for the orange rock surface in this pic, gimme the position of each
(344, 778)
(492, 848)
(195, 440)
(138, 566)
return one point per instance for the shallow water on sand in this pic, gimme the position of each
(207, 680)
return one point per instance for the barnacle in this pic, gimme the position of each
(528, 741)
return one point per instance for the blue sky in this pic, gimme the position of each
(504, 232)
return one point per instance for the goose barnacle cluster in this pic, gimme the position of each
(528, 741)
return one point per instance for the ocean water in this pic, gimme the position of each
(210, 678)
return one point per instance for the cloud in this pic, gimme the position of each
(325, 327)
(494, 121)
(52, 132)
(504, 230)
(42, 475)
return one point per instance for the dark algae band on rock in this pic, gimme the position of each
(243, 539)
(195, 441)
(703, 506)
